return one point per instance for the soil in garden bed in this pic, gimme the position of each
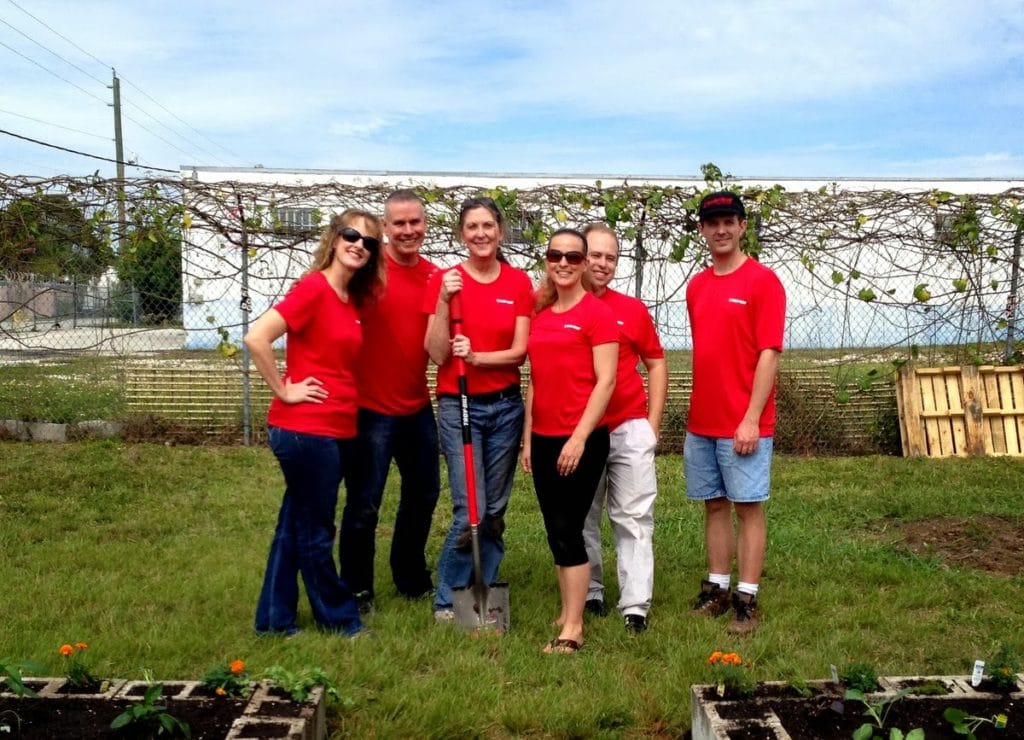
(817, 718)
(88, 719)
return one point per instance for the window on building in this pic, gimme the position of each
(945, 228)
(517, 228)
(294, 220)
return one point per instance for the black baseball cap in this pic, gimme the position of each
(721, 203)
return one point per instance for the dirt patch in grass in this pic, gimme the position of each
(989, 543)
(158, 429)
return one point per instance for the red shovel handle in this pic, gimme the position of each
(455, 316)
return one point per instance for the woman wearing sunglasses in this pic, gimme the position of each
(312, 419)
(496, 304)
(573, 350)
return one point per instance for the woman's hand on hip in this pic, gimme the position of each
(309, 390)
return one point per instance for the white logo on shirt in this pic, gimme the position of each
(574, 327)
(738, 300)
(505, 301)
(620, 323)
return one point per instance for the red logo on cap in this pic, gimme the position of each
(722, 201)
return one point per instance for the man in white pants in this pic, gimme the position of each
(629, 484)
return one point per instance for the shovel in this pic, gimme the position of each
(478, 606)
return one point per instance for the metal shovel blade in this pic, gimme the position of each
(495, 612)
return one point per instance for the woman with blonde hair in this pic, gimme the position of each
(573, 350)
(312, 419)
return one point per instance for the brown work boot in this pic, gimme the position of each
(744, 620)
(713, 600)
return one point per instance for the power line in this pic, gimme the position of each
(136, 87)
(46, 69)
(136, 122)
(164, 125)
(104, 102)
(58, 33)
(158, 136)
(51, 51)
(85, 154)
(55, 125)
(183, 123)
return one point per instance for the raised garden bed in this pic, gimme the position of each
(778, 712)
(57, 713)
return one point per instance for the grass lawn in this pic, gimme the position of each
(153, 555)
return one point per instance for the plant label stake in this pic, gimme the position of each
(480, 606)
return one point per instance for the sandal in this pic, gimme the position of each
(562, 646)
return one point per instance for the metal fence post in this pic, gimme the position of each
(1011, 301)
(246, 306)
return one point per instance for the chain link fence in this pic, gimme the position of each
(129, 303)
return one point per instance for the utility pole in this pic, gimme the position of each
(118, 152)
(119, 156)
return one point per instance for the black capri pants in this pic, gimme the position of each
(565, 501)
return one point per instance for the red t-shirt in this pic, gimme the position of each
(392, 370)
(489, 314)
(733, 318)
(562, 362)
(323, 341)
(638, 340)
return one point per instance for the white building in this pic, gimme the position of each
(217, 271)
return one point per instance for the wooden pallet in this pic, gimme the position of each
(961, 411)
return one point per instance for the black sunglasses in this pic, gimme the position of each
(352, 236)
(573, 258)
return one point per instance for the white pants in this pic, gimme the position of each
(630, 486)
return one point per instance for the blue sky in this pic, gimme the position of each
(787, 88)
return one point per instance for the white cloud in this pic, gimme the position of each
(358, 129)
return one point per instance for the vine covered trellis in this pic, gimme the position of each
(871, 275)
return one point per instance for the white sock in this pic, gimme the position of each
(722, 579)
(747, 588)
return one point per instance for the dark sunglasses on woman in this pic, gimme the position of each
(573, 258)
(352, 236)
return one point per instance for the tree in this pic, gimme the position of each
(150, 257)
(49, 236)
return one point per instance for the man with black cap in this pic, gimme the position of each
(737, 310)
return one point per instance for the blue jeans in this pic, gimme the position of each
(496, 429)
(412, 442)
(304, 538)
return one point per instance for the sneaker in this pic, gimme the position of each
(713, 600)
(745, 619)
(364, 599)
(444, 616)
(636, 623)
(596, 607)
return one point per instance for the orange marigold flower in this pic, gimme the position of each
(219, 691)
(714, 657)
(81, 645)
(237, 666)
(66, 650)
